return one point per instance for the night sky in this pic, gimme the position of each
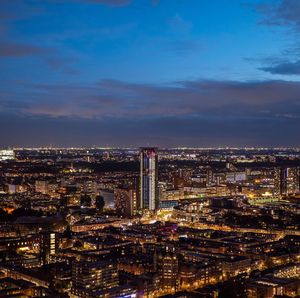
(166, 73)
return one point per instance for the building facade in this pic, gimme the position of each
(126, 201)
(149, 200)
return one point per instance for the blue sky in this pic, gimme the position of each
(149, 72)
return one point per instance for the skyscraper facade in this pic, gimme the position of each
(287, 180)
(149, 179)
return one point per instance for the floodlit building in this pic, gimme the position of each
(149, 179)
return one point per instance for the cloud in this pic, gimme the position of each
(48, 55)
(284, 68)
(9, 49)
(283, 12)
(202, 98)
(286, 63)
(160, 131)
(193, 113)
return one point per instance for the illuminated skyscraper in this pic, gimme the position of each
(149, 179)
(287, 180)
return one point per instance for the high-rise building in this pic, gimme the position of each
(287, 181)
(292, 177)
(149, 179)
(126, 201)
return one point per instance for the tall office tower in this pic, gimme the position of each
(284, 173)
(291, 180)
(89, 279)
(149, 179)
(287, 180)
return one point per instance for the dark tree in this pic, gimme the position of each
(233, 288)
(26, 212)
(85, 201)
(67, 233)
(4, 216)
(100, 203)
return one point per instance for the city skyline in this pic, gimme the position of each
(153, 222)
(121, 73)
